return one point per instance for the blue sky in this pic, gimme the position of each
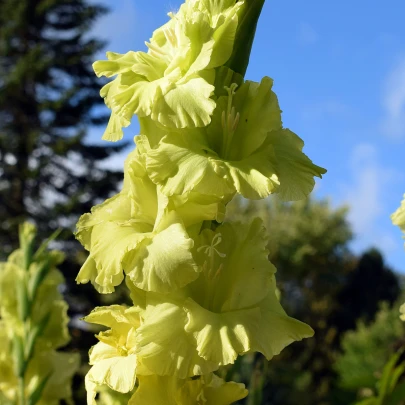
(339, 72)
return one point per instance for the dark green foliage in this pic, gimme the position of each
(390, 390)
(48, 100)
(366, 349)
(361, 302)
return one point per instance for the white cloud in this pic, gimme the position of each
(393, 124)
(306, 34)
(363, 194)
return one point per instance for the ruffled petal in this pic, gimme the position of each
(221, 337)
(119, 373)
(255, 176)
(143, 192)
(173, 82)
(398, 217)
(276, 329)
(224, 38)
(186, 105)
(91, 390)
(209, 390)
(237, 272)
(189, 165)
(102, 351)
(193, 208)
(114, 132)
(117, 208)
(219, 392)
(294, 169)
(184, 163)
(113, 316)
(138, 98)
(162, 261)
(163, 345)
(117, 63)
(111, 242)
(166, 390)
(88, 273)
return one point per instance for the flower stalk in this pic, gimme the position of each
(248, 20)
(203, 290)
(34, 323)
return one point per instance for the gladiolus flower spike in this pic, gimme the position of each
(33, 325)
(203, 290)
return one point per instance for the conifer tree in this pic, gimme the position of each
(48, 98)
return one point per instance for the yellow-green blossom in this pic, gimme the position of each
(398, 217)
(113, 360)
(60, 367)
(231, 309)
(34, 323)
(48, 304)
(173, 82)
(203, 292)
(206, 390)
(244, 150)
(107, 396)
(144, 233)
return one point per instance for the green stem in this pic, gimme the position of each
(248, 18)
(21, 390)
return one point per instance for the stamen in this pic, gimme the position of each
(123, 351)
(218, 271)
(230, 120)
(223, 120)
(170, 36)
(155, 49)
(236, 122)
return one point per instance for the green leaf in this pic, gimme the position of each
(35, 396)
(32, 337)
(19, 357)
(385, 383)
(27, 234)
(44, 245)
(397, 395)
(22, 298)
(37, 278)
